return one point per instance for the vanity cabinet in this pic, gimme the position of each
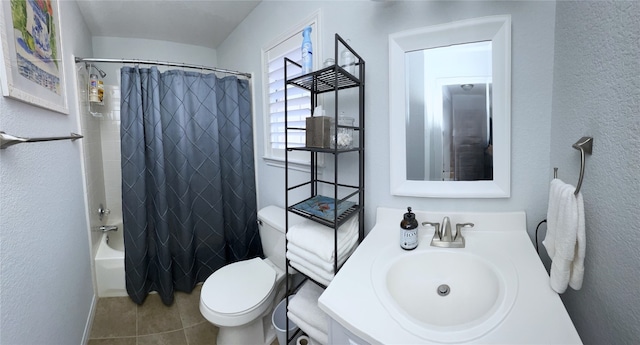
(500, 291)
(338, 334)
(328, 200)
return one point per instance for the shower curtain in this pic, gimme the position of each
(188, 183)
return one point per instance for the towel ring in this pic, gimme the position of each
(585, 145)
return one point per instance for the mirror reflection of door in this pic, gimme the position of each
(448, 122)
(466, 109)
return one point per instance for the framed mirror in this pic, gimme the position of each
(450, 109)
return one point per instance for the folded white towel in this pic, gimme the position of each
(315, 334)
(319, 239)
(304, 311)
(565, 239)
(324, 272)
(343, 253)
(305, 305)
(311, 273)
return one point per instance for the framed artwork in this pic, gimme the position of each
(32, 70)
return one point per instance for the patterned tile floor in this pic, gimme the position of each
(119, 321)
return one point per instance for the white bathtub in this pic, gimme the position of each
(110, 264)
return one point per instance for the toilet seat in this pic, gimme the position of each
(238, 287)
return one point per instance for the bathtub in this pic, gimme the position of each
(109, 264)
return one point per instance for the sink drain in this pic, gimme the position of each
(443, 290)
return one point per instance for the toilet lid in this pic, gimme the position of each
(238, 287)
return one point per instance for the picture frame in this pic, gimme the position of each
(32, 68)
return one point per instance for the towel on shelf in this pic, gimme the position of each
(319, 239)
(324, 272)
(312, 332)
(310, 273)
(304, 311)
(305, 305)
(343, 253)
(565, 238)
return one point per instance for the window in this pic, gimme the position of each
(299, 100)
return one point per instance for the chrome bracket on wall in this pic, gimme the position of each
(585, 146)
(7, 140)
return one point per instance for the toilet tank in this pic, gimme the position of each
(271, 225)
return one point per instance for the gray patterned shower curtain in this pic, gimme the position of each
(188, 183)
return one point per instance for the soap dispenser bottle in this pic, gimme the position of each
(409, 231)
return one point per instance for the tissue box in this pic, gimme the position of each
(318, 131)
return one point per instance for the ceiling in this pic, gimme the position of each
(204, 23)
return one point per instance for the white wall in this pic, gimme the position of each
(596, 92)
(92, 160)
(145, 49)
(46, 284)
(368, 24)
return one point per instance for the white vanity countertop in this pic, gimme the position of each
(537, 316)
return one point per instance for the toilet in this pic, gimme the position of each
(239, 297)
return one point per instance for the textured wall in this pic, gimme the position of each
(368, 25)
(145, 49)
(596, 92)
(46, 284)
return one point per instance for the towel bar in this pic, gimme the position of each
(585, 145)
(7, 140)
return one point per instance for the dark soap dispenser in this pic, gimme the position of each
(409, 231)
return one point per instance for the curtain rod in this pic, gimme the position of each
(162, 63)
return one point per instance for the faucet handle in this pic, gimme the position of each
(106, 228)
(102, 211)
(435, 225)
(459, 227)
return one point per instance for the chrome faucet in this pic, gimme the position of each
(106, 228)
(442, 236)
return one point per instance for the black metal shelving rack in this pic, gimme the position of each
(331, 79)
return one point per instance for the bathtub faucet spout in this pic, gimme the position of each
(105, 228)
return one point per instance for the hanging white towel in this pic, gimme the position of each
(555, 191)
(577, 266)
(565, 239)
(319, 239)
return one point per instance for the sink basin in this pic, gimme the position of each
(445, 295)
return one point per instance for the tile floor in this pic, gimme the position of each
(119, 321)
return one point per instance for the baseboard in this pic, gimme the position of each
(90, 317)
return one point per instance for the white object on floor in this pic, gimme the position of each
(239, 297)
